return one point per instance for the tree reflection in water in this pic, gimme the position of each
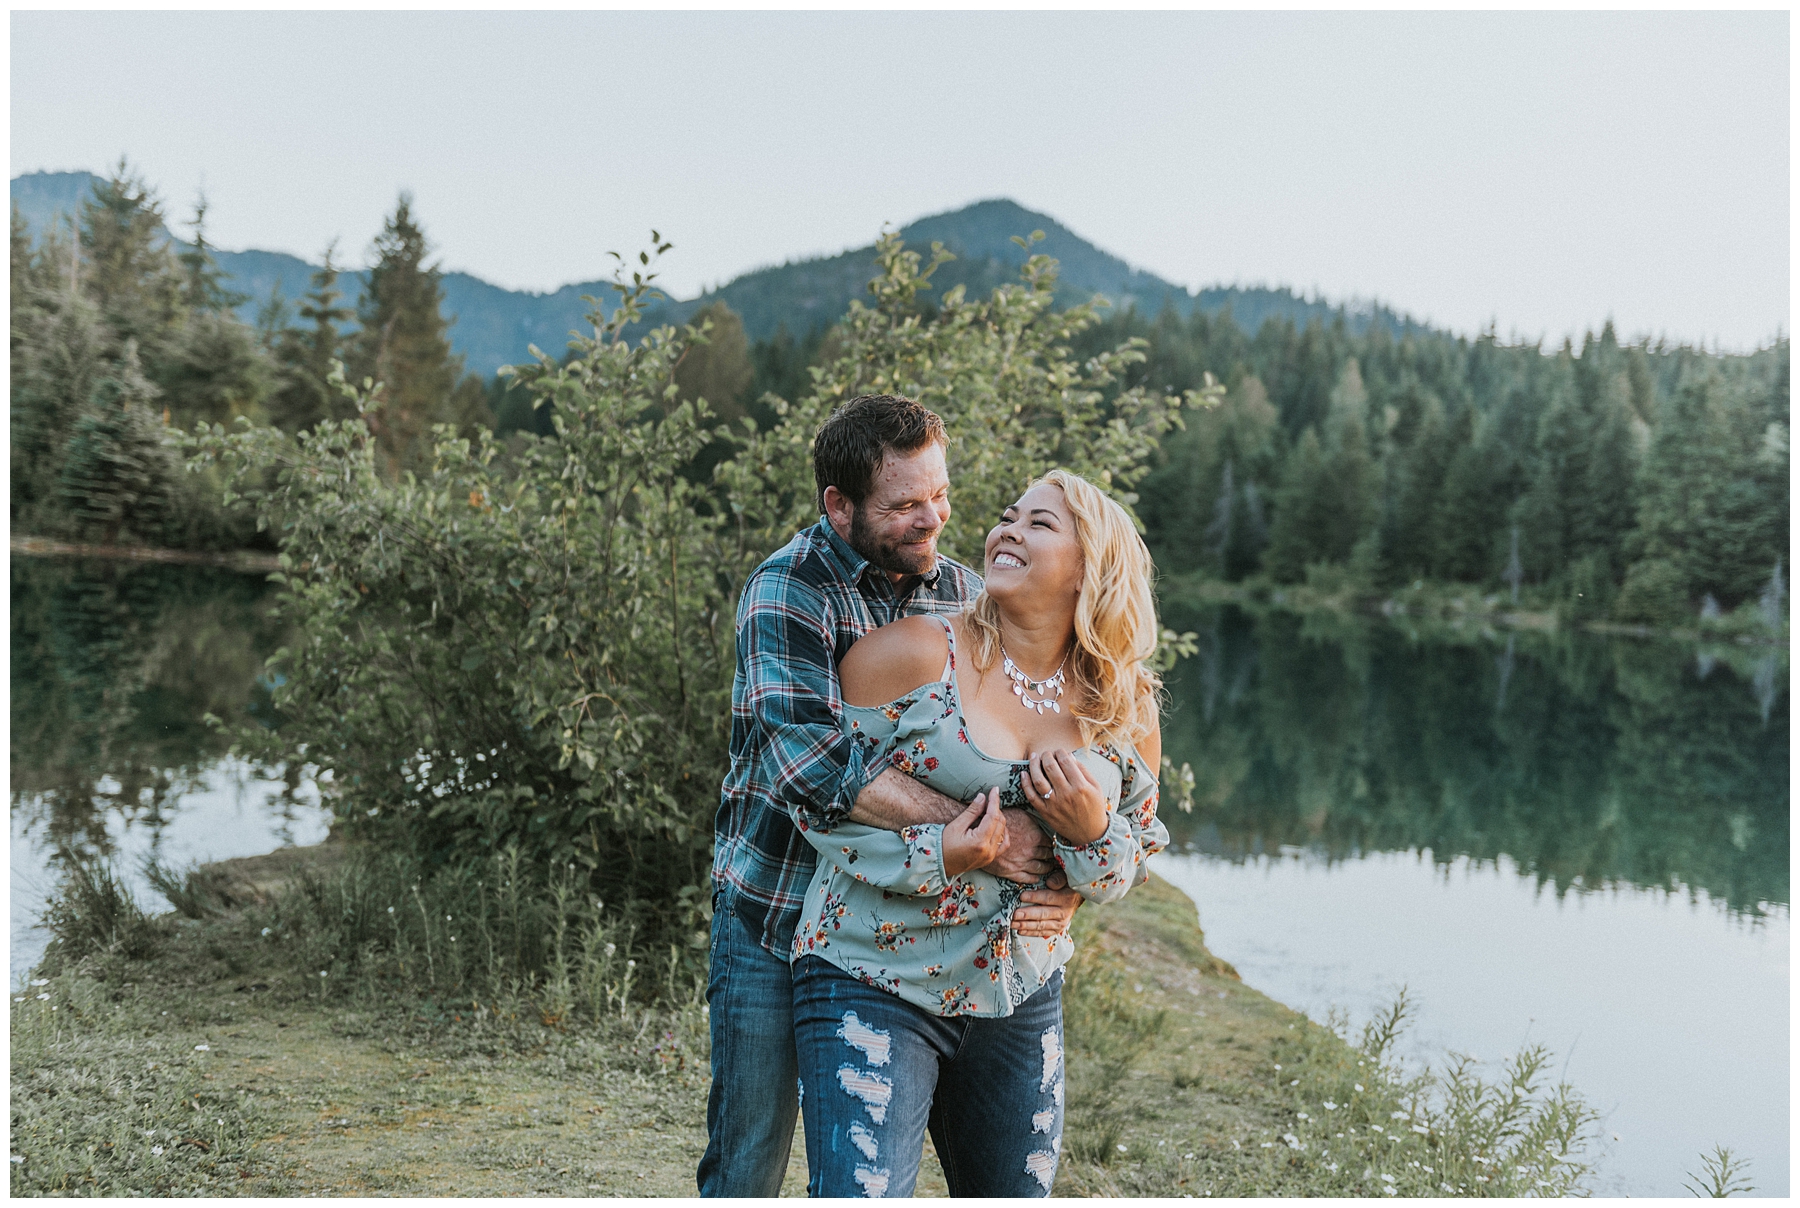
(1587, 760)
(115, 666)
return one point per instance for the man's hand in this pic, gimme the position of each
(1047, 912)
(1026, 856)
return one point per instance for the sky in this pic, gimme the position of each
(1542, 172)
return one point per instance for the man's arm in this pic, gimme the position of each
(894, 800)
(814, 769)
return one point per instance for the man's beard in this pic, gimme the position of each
(894, 557)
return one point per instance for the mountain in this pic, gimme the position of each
(494, 326)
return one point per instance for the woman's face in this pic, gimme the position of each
(1034, 550)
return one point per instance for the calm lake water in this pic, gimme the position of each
(1569, 841)
(115, 666)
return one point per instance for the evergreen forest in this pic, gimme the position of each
(1643, 482)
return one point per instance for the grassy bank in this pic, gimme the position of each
(214, 1062)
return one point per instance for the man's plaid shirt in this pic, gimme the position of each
(801, 610)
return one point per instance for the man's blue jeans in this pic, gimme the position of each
(877, 1071)
(751, 1109)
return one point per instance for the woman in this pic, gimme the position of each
(915, 1003)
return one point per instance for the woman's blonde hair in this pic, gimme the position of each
(1115, 619)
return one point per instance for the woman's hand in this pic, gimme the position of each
(1065, 797)
(975, 837)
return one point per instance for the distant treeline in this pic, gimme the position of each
(1630, 481)
(1635, 482)
(120, 338)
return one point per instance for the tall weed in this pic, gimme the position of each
(93, 912)
(474, 933)
(1362, 1125)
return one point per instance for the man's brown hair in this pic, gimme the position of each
(848, 450)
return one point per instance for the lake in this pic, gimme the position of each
(1566, 840)
(1560, 840)
(115, 666)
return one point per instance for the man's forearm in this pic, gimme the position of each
(894, 799)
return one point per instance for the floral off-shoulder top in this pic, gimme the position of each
(880, 907)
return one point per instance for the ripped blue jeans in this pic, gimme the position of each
(876, 1072)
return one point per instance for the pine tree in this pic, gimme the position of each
(204, 288)
(117, 473)
(1414, 539)
(719, 370)
(1302, 513)
(404, 342)
(1472, 514)
(127, 267)
(1350, 491)
(303, 356)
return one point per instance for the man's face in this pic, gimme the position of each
(896, 528)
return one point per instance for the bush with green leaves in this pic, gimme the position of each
(1001, 373)
(535, 649)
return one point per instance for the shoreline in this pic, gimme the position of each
(1435, 604)
(1175, 1074)
(242, 560)
(372, 1097)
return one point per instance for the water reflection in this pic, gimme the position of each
(1586, 761)
(115, 668)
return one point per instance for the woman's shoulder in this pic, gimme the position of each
(1144, 752)
(889, 662)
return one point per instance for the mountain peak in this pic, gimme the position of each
(494, 327)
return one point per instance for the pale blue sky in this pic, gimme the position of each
(1544, 170)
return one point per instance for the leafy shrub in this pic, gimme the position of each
(535, 650)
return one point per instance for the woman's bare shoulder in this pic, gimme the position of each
(889, 662)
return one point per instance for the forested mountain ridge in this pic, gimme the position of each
(492, 326)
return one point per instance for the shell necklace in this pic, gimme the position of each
(1047, 690)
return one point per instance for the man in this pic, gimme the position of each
(878, 463)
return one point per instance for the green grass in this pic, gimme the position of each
(527, 1058)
